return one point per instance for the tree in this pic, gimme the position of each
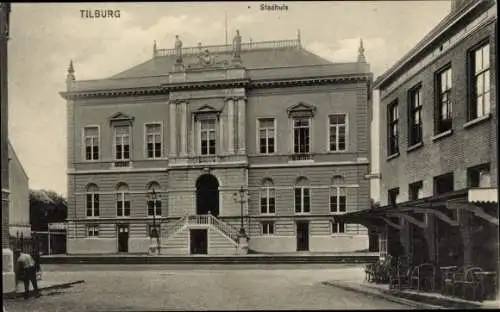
(46, 207)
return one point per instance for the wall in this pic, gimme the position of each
(464, 148)
(19, 206)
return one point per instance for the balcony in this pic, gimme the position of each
(121, 164)
(207, 159)
(300, 157)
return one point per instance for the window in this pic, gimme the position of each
(479, 176)
(337, 135)
(122, 201)
(92, 230)
(392, 128)
(301, 128)
(154, 201)
(268, 228)
(302, 196)
(267, 197)
(480, 79)
(443, 183)
(91, 135)
(154, 230)
(122, 142)
(415, 190)
(153, 140)
(338, 196)
(338, 227)
(267, 133)
(415, 116)
(92, 200)
(392, 195)
(443, 117)
(207, 136)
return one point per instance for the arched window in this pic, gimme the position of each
(92, 200)
(302, 196)
(122, 200)
(338, 195)
(154, 200)
(267, 197)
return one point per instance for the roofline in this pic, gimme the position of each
(449, 21)
(18, 160)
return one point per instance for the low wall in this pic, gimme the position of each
(338, 243)
(92, 245)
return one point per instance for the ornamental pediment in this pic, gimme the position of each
(301, 110)
(205, 112)
(121, 119)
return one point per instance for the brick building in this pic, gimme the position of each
(216, 147)
(4, 138)
(438, 151)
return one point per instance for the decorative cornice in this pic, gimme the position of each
(222, 84)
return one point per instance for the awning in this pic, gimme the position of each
(368, 217)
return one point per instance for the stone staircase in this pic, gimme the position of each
(223, 239)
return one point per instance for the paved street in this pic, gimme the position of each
(134, 288)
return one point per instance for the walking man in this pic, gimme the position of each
(26, 270)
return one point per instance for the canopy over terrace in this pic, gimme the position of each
(460, 227)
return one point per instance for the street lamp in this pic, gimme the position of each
(153, 196)
(241, 198)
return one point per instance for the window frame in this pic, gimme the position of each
(477, 170)
(146, 134)
(129, 127)
(84, 143)
(123, 197)
(443, 125)
(309, 136)
(441, 177)
(302, 189)
(93, 195)
(395, 191)
(268, 189)
(269, 227)
(275, 129)
(92, 228)
(413, 137)
(338, 189)
(472, 111)
(335, 228)
(337, 126)
(201, 130)
(415, 186)
(392, 121)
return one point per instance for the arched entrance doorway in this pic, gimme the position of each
(207, 195)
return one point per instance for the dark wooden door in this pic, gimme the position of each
(199, 242)
(302, 236)
(123, 238)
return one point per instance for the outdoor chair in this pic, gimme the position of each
(400, 276)
(369, 272)
(458, 279)
(423, 277)
(470, 283)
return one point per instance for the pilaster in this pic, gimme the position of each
(230, 126)
(183, 147)
(192, 143)
(173, 132)
(241, 125)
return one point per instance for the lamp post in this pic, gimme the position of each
(240, 197)
(154, 233)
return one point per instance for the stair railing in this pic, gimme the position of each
(179, 224)
(225, 228)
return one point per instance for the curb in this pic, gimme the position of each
(14, 295)
(388, 297)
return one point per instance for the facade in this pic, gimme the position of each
(205, 146)
(438, 155)
(19, 201)
(4, 37)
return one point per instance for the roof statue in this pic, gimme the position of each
(298, 36)
(178, 50)
(70, 78)
(237, 47)
(361, 52)
(155, 50)
(206, 58)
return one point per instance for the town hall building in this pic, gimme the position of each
(220, 150)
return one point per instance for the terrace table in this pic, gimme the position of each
(488, 284)
(447, 278)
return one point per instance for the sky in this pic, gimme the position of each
(45, 37)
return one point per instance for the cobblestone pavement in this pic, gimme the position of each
(125, 288)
